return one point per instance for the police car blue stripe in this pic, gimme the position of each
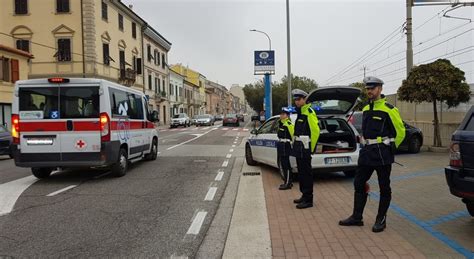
(263, 143)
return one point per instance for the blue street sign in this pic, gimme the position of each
(264, 61)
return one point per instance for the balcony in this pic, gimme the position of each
(160, 96)
(128, 76)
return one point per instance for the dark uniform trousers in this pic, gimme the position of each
(305, 175)
(284, 151)
(363, 174)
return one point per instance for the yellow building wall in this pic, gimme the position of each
(39, 23)
(6, 88)
(109, 29)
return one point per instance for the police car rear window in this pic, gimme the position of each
(58, 102)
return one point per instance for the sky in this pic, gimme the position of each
(213, 37)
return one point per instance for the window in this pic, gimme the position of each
(105, 50)
(163, 62)
(149, 82)
(134, 30)
(23, 45)
(157, 58)
(21, 7)
(15, 68)
(148, 50)
(135, 110)
(120, 22)
(267, 127)
(64, 50)
(44, 99)
(164, 85)
(105, 14)
(4, 69)
(134, 63)
(122, 63)
(139, 66)
(470, 124)
(62, 6)
(79, 102)
(126, 104)
(157, 85)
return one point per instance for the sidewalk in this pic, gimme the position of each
(424, 221)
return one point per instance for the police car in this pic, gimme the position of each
(80, 122)
(338, 144)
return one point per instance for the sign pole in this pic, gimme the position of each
(268, 96)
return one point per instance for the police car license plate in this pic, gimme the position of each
(337, 160)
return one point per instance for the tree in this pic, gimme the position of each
(363, 98)
(435, 82)
(255, 93)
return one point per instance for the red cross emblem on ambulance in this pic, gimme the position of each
(80, 144)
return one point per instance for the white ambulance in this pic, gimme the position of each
(80, 122)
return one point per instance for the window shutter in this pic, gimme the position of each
(15, 70)
(139, 66)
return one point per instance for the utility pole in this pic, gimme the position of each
(288, 53)
(409, 36)
(365, 68)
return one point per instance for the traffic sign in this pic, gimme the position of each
(264, 62)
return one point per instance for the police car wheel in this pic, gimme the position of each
(119, 169)
(248, 156)
(470, 207)
(414, 145)
(41, 173)
(350, 173)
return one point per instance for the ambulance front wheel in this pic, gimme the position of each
(119, 169)
(41, 173)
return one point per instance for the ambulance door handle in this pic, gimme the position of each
(69, 125)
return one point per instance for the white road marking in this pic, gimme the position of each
(210, 194)
(233, 145)
(235, 129)
(183, 129)
(62, 190)
(228, 156)
(231, 150)
(235, 142)
(11, 191)
(246, 129)
(206, 128)
(197, 223)
(219, 176)
(159, 153)
(225, 128)
(187, 141)
(226, 163)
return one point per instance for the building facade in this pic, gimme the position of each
(176, 96)
(196, 79)
(13, 67)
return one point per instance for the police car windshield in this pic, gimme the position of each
(58, 102)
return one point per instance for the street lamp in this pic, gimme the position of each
(267, 82)
(269, 40)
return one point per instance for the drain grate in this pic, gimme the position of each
(250, 173)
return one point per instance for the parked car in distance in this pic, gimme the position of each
(230, 119)
(460, 172)
(204, 120)
(337, 148)
(240, 117)
(5, 141)
(219, 117)
(180, 119)
(413, 138)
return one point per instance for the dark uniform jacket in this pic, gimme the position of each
(380, 119)
(306, 125)
(285, 133)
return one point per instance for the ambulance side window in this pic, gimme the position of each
(119, 103)
(136, 107)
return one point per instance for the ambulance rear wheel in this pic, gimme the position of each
(41, 173)
(119, 169)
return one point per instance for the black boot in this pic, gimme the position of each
(304, 205)
(380, 224)
(285, 186)
(299, 200)
(360, 199)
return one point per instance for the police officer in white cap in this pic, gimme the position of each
(304, 144)
(383, 130)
